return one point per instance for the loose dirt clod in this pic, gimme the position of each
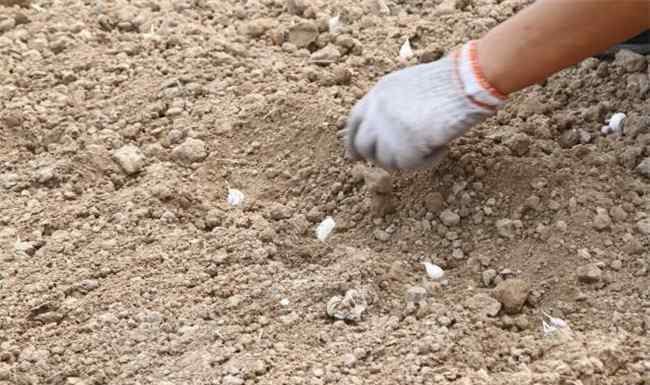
(484, 305)
(631, 61)
(488, 277)
(190, 151)
(589, 273)
(512, 294)
(380, 187)
(416, 294)
(643, 226)
(303, 34)
(601, 220)
(326, 56)
(130, 159)
(506, 228)
(350, 307)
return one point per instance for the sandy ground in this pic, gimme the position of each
(125, 123)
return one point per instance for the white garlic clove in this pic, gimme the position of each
(406, 51)
(235, 197)
(616, 122)
(435, 272)
(334, 24)
(325, 228)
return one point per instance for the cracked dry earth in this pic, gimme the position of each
(125, 123)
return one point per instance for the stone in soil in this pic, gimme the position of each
(129, 158)
(512, 294)
(378, 181)
(12, 119)
(589, 273)
(381, 205)
(630, 156)
(633, 246)
(484, 305)
(434, 202)
(279, 211)
(190, 151)
(350, 307)
(643, 168)
(381, 235)
(342, 75)
(44, 175)
(416, 294)
(214, 218)
(644, 226)
(569, 138)
(88, 285)
(506, 228)
(532, 202)
(631, 61)
(349, 360)
(303, 34)
(618, 214)
(449, 218)
(257, 28)
(430, 54)
(519, 144)
(314, 215)
(601, 220)
(488, 276)
(328, 55)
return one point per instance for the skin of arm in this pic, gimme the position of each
(551, 35)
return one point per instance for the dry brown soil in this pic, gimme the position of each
(124, 123)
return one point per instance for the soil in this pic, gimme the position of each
(125, 124)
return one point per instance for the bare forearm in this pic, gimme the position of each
(553, 34)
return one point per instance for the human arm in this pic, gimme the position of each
(409, 116)
(551, 35)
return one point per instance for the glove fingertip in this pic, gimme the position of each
(436, 155)
(351, 130)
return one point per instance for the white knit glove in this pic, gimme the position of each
(408, 118)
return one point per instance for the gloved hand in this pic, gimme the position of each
(408, 118)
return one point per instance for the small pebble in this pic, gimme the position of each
(601, 220)
(381, 235)
(88, 284)
(590, 273)
(449, 218)
(506, 228)
(349, 360)
(488, 276)
(129, 158)
(416, 294)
